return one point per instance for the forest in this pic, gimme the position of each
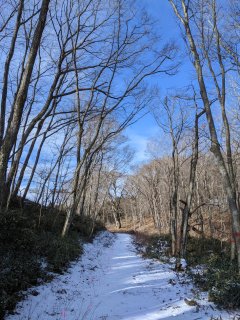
(75, 76)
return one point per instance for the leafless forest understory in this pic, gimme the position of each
(74, 75)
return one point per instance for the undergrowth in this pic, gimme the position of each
(32, 250)
(218, 275)
(209, 265)
(153, 246)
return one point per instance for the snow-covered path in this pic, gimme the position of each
(110, 281)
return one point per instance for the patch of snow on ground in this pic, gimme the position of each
(111, 281)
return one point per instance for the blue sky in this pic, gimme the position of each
(146, 128)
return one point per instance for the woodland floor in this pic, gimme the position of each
(111, 281)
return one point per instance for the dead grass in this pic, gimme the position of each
(146, 226)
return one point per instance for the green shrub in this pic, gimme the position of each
(200, 249)
(58, 251)
(85, 226)
(24, 245)
(226, 294)
(219, 275)
(153, 246)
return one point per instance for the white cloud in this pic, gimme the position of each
(139, 142)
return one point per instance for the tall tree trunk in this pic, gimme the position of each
(6, 71)
(188, 202)
(215, 146)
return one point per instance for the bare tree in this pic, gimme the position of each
(187, 13)
(21, 96)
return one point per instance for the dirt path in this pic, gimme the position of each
(110, 281)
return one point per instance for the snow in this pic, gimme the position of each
(111, 281)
